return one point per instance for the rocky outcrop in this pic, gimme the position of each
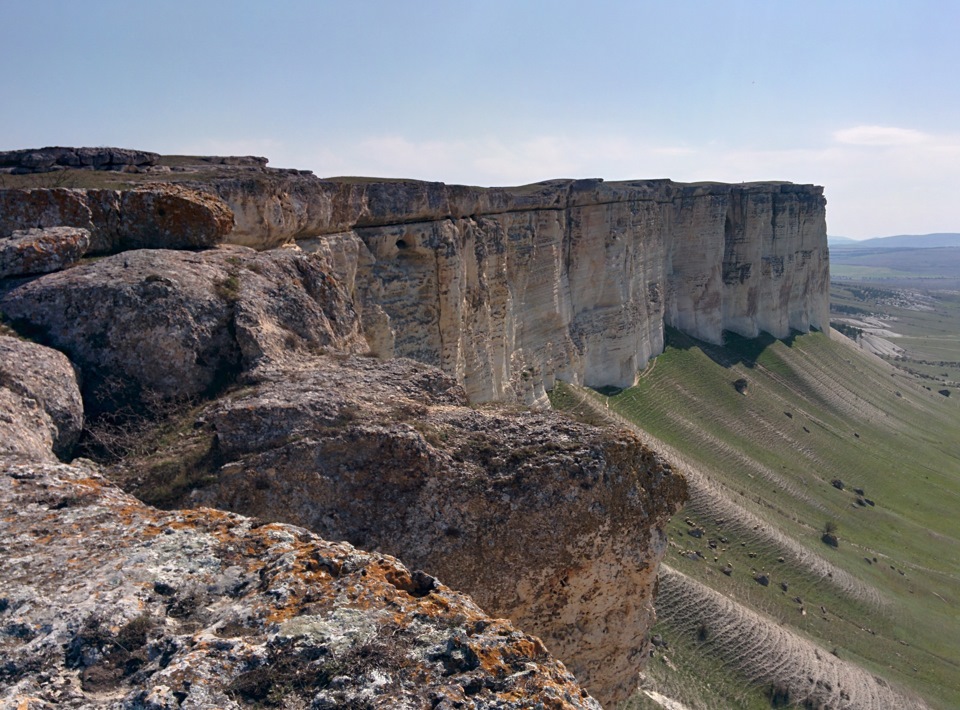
(109, 603)
(174, 324)
(556, 525)
(41, 413)
(509, 289)
(40, 251)
(41, 160)
(159, 216)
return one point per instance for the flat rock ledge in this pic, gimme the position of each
(41, 251)
(107, 602)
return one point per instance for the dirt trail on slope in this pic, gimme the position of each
(766, 653)
(710, 500)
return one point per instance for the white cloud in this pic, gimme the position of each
(879, 136)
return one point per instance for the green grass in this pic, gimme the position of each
(853, 417)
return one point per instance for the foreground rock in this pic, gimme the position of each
(109, 603)
(41, 413)
(157, 323)
(557, 525)
(40, 251)
(158, 216)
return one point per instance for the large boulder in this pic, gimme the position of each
(26, 430)
(40, 251)
(156, 216)
(556, 525)
(42, 413)
(175, 324)
(109, 603)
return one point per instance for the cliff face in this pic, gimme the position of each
(507, 289)
(556, 525)
(575, 280)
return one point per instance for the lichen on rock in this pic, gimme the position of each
(556, 525)
(109, 603)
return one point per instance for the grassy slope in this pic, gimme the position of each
(852, 417)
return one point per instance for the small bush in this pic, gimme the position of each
(228, 288)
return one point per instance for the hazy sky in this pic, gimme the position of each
(861, 97)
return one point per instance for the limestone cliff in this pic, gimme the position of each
(505, 290)
(509, 289)
(555, 525)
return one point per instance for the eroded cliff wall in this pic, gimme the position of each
(509, 290)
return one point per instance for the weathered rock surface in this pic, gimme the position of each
(510, 288)
(40, 251)
(157, 216)
(41, 413)
(178, 324)
(39, 160)
(554, 524)
(109, 603)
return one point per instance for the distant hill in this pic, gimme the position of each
(840, 241)
(900, 241)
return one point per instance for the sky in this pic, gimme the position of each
(862, 97)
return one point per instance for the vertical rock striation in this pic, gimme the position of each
(509, 290)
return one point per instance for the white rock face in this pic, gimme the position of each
(510, 289)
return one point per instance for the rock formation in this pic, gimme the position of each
(179, 324)
(509, 289)
(386, 455)
(40, 251)
(155, 217)
(42, 160)
(506, 289)
(107, 602)
(556, 525)
(496, 293)
(41, 413)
